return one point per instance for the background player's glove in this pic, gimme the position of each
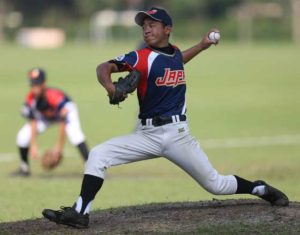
(125, 86)
(50, 159)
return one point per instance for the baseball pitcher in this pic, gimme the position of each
(163, 130)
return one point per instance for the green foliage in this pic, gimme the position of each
(199, 15)
(266, 29)
(211, 9)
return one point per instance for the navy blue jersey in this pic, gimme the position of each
(161, 90)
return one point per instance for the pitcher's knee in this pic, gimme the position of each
(96, 157)
(99, 151)
(96, 164)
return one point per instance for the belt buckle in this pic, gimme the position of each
(156, 121)
(160, 121)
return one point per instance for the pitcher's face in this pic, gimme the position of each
(155, 33)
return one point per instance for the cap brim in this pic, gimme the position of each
(140, 17)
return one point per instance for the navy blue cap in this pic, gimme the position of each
(154, 13)
(36, 76)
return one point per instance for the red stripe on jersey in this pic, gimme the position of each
(54, 97)
(142, 66)
(29, 99)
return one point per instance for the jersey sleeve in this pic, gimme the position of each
(126, 62)
(27, 109)
(179, 51)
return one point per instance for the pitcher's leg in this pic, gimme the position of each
(114, 152)
(189, 156)
(185, 151)
(120, 150)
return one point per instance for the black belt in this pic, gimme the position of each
(160, 121)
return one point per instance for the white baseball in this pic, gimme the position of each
(214, 36)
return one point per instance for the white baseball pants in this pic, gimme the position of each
(73, 128)
(172, 141)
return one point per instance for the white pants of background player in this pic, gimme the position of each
(172, 141)
(73, 128)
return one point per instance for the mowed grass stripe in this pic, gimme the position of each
(209, 144)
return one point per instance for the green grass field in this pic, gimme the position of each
(234, 91)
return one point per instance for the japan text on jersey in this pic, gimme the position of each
(161, 91)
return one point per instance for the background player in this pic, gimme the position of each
(162, 130)
(43, 107)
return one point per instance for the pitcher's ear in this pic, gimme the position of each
(168, 29)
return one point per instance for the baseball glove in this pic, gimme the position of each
(50, 159)
(125, 86)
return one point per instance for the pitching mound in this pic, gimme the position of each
(204, 217)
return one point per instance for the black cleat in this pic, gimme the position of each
(21, 173)
(67, 216)
(273, 195)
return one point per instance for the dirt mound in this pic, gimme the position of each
(203, 217)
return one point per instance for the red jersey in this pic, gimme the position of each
(47, 106)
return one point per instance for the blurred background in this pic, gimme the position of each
(97, 21)
(243, 95)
